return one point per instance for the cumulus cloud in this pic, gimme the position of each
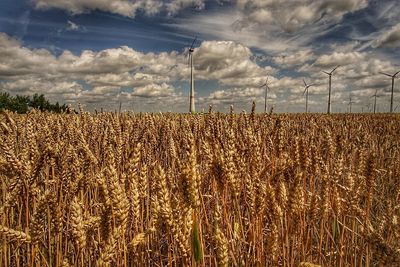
(160, 80)
(225, 60)
(353, 65)
(236, 93)
(103, 74)
(293, 15)
(390, 38)
(339, 58)
(358, 75)
(128, 8)
(27, 71)
(155, 90)
(39, 85)
(289, 60)
(239, 97)
(175, 6)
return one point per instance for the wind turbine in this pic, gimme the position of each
(266, 94)
(330, 87)
(192, 108)
(119, 98)
(350, 103)
(306, 86)
(391, 98)
(375, 96)
(76, 98)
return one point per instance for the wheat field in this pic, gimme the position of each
(211, 189)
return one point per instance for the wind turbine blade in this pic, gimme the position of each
(385, 74)
(335, 68)
(263, 85)
(305, 90)
(305, 84)
(396, 73)
(326, 72)
(193, 42)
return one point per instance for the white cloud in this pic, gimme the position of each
(128, 8)
(222, 26)
(103, 74)
(293, 15)
(225, 60)
(339, 58)
(175, 6)
(239, 97)
(273, 26)
(155, 90)
(72, 26)
(160, 80)
(358, 75)
(389, 38)
(290, 60)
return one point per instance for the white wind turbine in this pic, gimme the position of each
(350, 103)
(119, 99)
(391, 98)
(375, 96)
(306, 86)
(330, 87)
(76, 98)
(266, 94)
(192, 108)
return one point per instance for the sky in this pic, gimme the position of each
(100, 53)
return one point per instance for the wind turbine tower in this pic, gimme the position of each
(192, 108)
(76, 98)
(330, 87)
(266, 94)
(350, 103)
(120, 101)
(375, 96)
(391, 97)
(306, 86)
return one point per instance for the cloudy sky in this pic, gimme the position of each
(100, 52)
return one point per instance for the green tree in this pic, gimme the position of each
(21, 104)
(5, 99)
(39, 102)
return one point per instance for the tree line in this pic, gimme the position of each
(22, 104)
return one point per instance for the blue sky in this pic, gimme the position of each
(99, 52)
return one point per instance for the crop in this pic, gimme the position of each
(199, 190)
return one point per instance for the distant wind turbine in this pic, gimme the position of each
(76, 98)
(391, 98)
(350, 103)
(192, 108)
(120, 101)
(266, 94)
(330, 87)
(306, 86)
(375, 96)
